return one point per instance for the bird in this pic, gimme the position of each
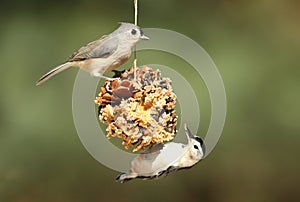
(102, 55)
(165, 159)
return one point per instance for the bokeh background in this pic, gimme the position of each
(255, 45)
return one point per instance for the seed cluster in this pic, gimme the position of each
(141, 110)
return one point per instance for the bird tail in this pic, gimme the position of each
(124, 177)
(54, 71)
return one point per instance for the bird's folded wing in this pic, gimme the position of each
(101, 48)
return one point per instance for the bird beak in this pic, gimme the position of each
(143, 37)
(188, 132)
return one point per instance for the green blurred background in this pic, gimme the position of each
(255, 45)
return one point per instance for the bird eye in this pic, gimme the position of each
(133, 31)
(196, 147)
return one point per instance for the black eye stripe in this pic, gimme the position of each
(133, 31)
(142, 33)
(199, 140)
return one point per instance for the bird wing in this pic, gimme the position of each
(171, 153)
(155, 163)
(101, 48)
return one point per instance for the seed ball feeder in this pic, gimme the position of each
(140, 111)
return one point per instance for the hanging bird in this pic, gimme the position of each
(165, 159)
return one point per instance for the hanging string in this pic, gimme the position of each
(135, 22)
(135, 11)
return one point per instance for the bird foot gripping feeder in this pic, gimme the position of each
(140, 111)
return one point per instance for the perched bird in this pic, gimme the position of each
(165, 159)
(104, 54)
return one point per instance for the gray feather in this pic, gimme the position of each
(101, 48)
(54, 71)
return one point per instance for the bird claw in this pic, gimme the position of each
(113, 79)
(104, 77)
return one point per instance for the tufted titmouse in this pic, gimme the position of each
(166, 158)
(104, 54)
